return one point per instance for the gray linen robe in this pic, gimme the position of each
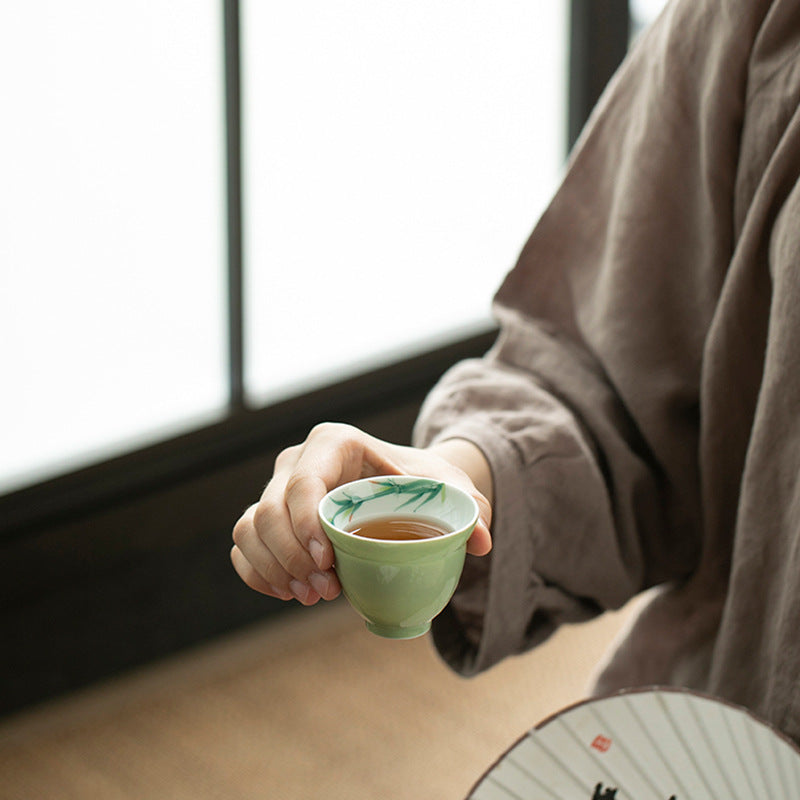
(641, 407)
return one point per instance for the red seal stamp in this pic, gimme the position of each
(601, 743)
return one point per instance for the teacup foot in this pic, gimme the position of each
(397, 632)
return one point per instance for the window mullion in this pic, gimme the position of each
(234, 204)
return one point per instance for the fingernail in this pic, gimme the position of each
(317, 552)
(320, 582)
(299, 590)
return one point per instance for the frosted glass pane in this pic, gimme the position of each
(397, 155)
(111, 226)
(643, 12)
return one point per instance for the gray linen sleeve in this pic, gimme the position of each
(566, 543)
(588, 406)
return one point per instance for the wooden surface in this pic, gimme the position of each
(308, 705)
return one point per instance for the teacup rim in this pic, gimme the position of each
(402, 542)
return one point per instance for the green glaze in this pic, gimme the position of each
(398, 587)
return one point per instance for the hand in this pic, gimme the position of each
(280, 548)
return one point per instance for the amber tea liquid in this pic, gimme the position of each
(399, 528)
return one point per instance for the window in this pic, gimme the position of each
(643, 12)
(112, 240)
(396, 157)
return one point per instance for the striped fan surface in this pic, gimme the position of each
(654, 744)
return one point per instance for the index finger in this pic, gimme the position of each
(331, 455)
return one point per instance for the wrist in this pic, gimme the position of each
(469, 458)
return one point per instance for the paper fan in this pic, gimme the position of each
(650, 744)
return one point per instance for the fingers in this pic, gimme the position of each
(270, 560)
(300, 482)
(332, 454)
(254, 579)
(280, 547)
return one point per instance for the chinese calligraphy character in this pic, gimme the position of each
(607, 794)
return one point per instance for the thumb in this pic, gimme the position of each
(480, 542)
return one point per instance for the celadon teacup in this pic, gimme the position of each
(398, 587)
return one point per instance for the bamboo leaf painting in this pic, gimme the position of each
(412, 493)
